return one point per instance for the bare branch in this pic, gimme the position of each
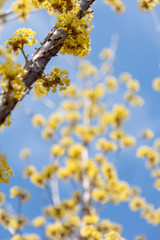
(34, 68)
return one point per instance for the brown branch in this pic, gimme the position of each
(34, 68)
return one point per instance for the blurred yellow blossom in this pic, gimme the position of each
(147, 133)
(57, 150)
(38, 120)
(23, 194)
(156, 84)
(111, 82)
(25, 153)
(38, 221)
(2, 198)
(106, 53)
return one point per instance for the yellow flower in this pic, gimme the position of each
(156, 84)
(100, 158)
(117, 134)
(54, 230)
(21, 193)
(77, 41)
(21, 36)
(38, 179)
(25, 153)
(133, 85)
(142, 151)
(66, 142)
(147, 5)
(28, 171)
(75, 151)
(148, 134)
(17, 237)
(4, 218)
(31, 236)
(64, 173)
(23, 8)
(125, 77)
(47, 133)
(71, 91)
(38, 221)
(18, 222)
(150, 154)
(100, 194)
(111, 82)
(157, 184)
(12, 76)
(2, 198)
(121, 113)
(57, 150)
(38, 120)
(90, 232)
(5, 170)
(86, 69)
(106, 146)
(140, 237)
(127, 141)
(133, 100)
(157, 143)
(50, 170)
(106, 53)
(137, 203)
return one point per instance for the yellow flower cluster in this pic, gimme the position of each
(12, 223)
(71, 91)
(86, 69)
(59, 6)
(94, 94)
(40, 179)
(87, 134)
(148, 212)
(117, 5)
(133, 87)
(156, 84)
(38, 120)
(147, 133)
(5, 55)
(28, 171)
(2, 198)
(23, 8)
(21, 37)
(39, 221)
(23, 194)
(111, 83)
(150, 154)
(52, 80)
(25, 153)
(147, 5)
(12, 76)
(106, 53)
(5, 171)
(77, 41)
(52, 125)
(106, 146)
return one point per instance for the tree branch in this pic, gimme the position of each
(34, 68)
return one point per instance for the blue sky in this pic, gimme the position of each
(138, 53)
